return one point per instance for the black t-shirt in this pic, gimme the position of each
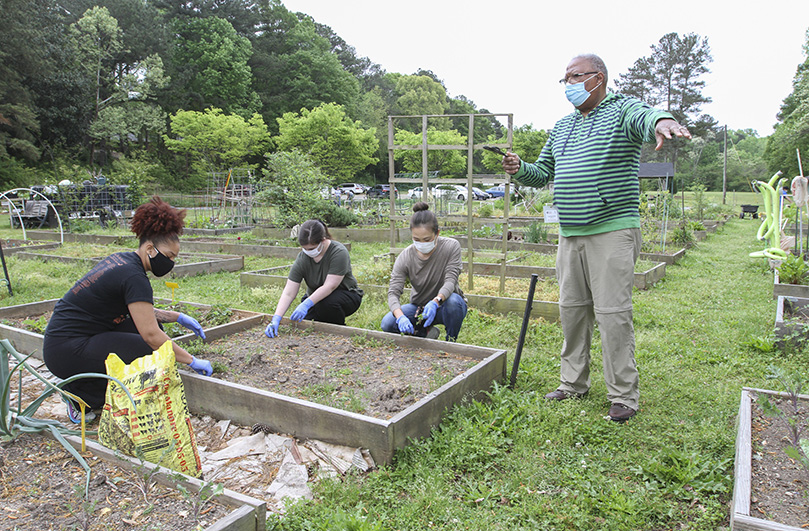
(99, 301)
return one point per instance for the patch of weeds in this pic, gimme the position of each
(217, 315)
(219, 367)
(536, 232)
(683, 236)
(144, 471)
(199, 499)
(83, 511)
(761, 343)
(366, 341)
(37, 325)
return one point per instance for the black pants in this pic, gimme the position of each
(68, 356)
(336, 307)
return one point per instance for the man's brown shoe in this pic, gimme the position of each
(621, 413)
(563, 395)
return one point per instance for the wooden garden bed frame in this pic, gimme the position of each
(303, 419)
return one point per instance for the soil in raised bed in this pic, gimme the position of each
(42, 487)
(779, 483)
(354, 373)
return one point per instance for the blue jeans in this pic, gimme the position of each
(450, 314)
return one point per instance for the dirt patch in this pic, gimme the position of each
(779, 483)
(42, 487)
(357, 373)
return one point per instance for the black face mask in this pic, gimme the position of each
(161, 264)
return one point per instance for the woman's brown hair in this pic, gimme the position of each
(422, 217)
(312, 232)
(158, 221)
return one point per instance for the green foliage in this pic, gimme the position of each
(339, 146)
(215, 140)
(200, 498)
(536, 232)
(292, 184)
(793, 270)
(528, 143)
(336, 216)
(445, 161)
(695, 225)
(212, 60)
(486, 210)
(698, 189)
(683, 236)
(37, 325)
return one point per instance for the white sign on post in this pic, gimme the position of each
(550, 214)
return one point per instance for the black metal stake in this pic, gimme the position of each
(5, 270)
(521, 341)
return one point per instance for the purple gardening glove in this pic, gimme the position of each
(429, 313)
(301, 311)
(192, 324)
(272, 328)
(404, 324)
(201, 366)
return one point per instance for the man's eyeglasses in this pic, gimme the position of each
(574, 78)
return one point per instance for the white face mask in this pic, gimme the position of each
(424, 247)
(313, 252)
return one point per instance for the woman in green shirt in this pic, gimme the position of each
(332, 293)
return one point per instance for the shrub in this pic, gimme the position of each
(335, 216)
(486, 210)
(536, 232)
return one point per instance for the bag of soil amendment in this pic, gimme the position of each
(160, 430)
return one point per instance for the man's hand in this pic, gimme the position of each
(668, 129)
(511, 163)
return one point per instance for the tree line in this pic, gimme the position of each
(162, 92)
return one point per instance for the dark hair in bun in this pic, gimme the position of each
(158, 222)
(422, 217)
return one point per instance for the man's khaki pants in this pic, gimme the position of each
(596, 274)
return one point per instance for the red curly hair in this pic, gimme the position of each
(158, 221)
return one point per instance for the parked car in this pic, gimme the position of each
(450, 191)
(354, 188)
(415, 193)
(479, 194)
(382, 191)
(497, 191)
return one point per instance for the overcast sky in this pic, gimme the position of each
(507, 56)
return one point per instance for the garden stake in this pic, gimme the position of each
(5, 270)
(521, 341)
(172, 285)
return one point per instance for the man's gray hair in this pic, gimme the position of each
(596, 62)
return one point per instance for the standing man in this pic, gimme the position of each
(592, 155)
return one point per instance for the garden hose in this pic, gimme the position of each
(770, 229)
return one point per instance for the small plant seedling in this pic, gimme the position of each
(198, 500)
(84, 512)
(144, 471)
(793, 270)
(37, 325)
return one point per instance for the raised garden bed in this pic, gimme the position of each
(789, 290)
(791, 319)
(550, 248)
(252, 248)
(547, 310)
(188, 264)
(341, 234)
(300, 418)
(40, 476)
(70, 237)
(767, 492)
(11, 247)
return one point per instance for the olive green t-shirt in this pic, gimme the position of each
(336, 261)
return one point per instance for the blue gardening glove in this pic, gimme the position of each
(404, 324)
(429, 313)
(201, 366)
(192, 324)
(272, 328)
(302, 309)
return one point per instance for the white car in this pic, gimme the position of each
(415, 193)
(354, 188)
(450, 191)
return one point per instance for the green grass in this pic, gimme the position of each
(517, 461)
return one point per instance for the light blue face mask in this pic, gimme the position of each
(577, 94)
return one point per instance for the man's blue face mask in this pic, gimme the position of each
(577, 94)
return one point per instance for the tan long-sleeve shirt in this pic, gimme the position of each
(438, 274)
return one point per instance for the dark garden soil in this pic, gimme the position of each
(779, 483)
(42, 489)
(360, 374)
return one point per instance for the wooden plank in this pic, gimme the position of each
(744, 452)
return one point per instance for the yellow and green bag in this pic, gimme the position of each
(159, 430)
